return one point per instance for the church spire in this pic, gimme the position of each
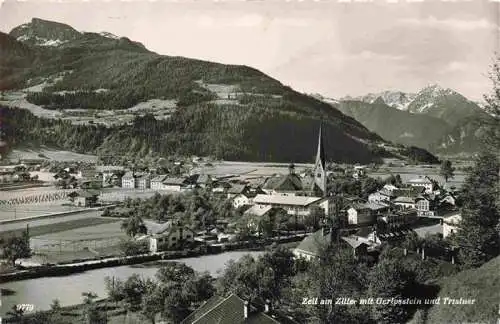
(320, 164)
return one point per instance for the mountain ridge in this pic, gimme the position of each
(259, 118)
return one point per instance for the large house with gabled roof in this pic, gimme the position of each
(235, 310)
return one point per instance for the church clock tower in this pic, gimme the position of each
(320, 166)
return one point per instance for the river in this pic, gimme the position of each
(68, 289)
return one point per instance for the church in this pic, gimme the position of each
(292, 184)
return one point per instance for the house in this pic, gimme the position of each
(157, 182)
(255, 213)
(292, 184)
(221, 187)
(423, 206)
(295, 205)
(310, 247)
(448, 199)
(359, 247)
(378, 197)
(113, 178)
(364, 213)
(176, 184)
(404, 202)
(235, 310)
(451, 224)
(167, 235)
(237, 189)
(204, 181)
(128, 180)
(422, 182)
(143, 181)
(283, 184)
(87, 198)
(409, 191)
(242, 200)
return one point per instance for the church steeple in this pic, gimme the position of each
(320, 165)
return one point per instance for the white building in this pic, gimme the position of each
(294, 205)
(405, 202)
(242, 200)
(175, 184)
(422, 182)
(157, 182)
(364, 213)
(128, 180)
(167, 235)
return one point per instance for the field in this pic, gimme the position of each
(53, 224)
(411, 172)
(100, 239)
(248, 169)
(55, 155)
(161, 109)
(32, 210)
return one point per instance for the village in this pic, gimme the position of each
(312, 205)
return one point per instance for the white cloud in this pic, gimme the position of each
(456, 24)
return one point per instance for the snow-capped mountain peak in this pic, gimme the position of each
(41, 32)
(396, 99)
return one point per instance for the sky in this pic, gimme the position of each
(334, 48)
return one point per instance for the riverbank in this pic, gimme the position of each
(65, 269)
(40, 292)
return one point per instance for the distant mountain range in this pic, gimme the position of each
(227, 111)
(441, 120)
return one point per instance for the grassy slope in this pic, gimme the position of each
(482, 284)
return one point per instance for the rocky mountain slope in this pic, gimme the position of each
(438, 119)
(230, 111)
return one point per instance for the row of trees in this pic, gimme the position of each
(198, 208)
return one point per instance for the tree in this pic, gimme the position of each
(16, 314)
(17, 247)
(315, 218)
(174, 272)
(335, 274)
(134, 289)
(91, 313)
(133, 226)
(55, 306)
(477, 238)
(389, 279)
(447, 170)
(152, 302)
(491, 137)
(114, 288)
(72, 196)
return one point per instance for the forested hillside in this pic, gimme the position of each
(231, 133)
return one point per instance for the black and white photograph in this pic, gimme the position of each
(249, 161)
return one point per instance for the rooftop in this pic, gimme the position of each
(312, 243)
(420, 180)
(230, 310)
(286, 200)
(404, 200)
(257, 210)
(369, 205)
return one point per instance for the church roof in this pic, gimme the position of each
(288, 182)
